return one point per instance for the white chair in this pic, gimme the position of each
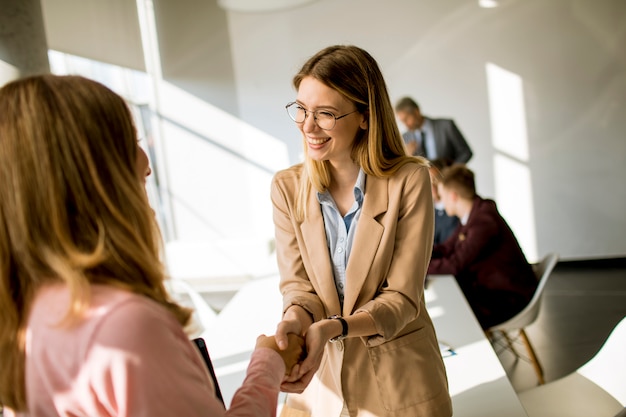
(598, 388)
(529, 314)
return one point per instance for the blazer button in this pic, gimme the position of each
(339, 345)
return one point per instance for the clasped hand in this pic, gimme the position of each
(302, 372)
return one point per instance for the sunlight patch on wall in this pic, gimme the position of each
(515, 202)
(211, 154)
(508, 115)
(509, 136)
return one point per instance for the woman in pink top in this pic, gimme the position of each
(87, 327)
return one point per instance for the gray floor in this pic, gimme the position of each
(582, 303)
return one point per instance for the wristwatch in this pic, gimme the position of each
(344, 328)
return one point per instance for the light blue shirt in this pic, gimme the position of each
(425, 138)
(340, 231)
(429, 136)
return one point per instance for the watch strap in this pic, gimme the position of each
(344, 328)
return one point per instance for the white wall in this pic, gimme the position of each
(567, 56)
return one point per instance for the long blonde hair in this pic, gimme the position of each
(379, 150)
(72, 207)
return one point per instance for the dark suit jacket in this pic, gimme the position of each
(449, 141)
(488, 263)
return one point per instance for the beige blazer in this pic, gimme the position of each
(398, 371)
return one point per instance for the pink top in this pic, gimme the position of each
(129, 357)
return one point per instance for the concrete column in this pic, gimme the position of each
(196, 56)
(23, 46)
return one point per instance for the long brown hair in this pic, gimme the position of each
(72, 207)
(379, 150)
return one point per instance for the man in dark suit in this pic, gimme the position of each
(432, 138)
(483, 254)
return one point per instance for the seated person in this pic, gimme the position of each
(87, 327)
(444, 225)
(482, 253)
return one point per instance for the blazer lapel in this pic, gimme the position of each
(314, 237)
(367, 239)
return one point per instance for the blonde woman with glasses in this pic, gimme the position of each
(87, 328)
(354, 233)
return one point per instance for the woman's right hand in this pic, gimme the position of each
(295, 320)
(284, 329)
(316, 337)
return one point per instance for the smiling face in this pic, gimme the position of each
(333, 145)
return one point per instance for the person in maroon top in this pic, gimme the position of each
(482, 253)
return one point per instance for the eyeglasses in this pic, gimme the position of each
(323, 118)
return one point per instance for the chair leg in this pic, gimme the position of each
(509, 342)
(533, 357)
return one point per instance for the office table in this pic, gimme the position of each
(478, 384)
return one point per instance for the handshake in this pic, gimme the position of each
(292, 355)
(303, 355)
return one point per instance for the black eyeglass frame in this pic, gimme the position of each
(307, 112)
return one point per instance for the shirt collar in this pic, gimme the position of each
(359, 187)
(464, 219)
(359, 191)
